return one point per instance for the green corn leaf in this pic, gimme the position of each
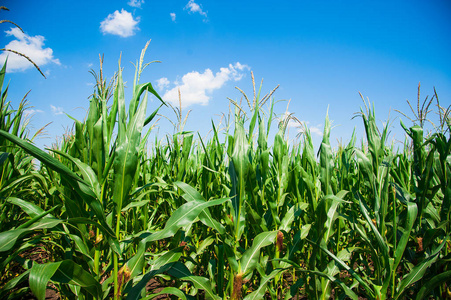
(431, 284)
(66, 272)
(191, 194)
(111, 119)
(240, 160)
(412, 211)
(280, 146)
(9, 238)
(79, 185)
(333, 268)
(256, 220)
(205, 217)
(332, 213)
(158, 266)
(139, 90)
(81, 220)
(183, 216)
(186, 148)
(418, 271)
(4, 156)
(88, 174)
(343, 286)
(249, 260)
(291, 215)
(252, 123)
(3, 73)
(326, 161)
(71, 273)
(136, 204)
(119, 98)
(81, 246)
(29, 208)
(259, 293)
(380, 240)
(343, 265)
(13, 283)
(126, 159)
(44, 157)
(305, 229)
(152, 116)
(180, 271)
(44, 223)
(40, 275)
(99, 145)
(167, 290)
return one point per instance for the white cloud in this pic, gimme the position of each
(136, 3)
(56, 110)
(314, 129)
(120, 23)
(31, 46)
(195, 86)
(162, 83)
(30, 112)
(193, 7)
(173, 16)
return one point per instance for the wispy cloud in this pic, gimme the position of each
(136, 3)
(31, 46)
(193, 7)
(195, 87)
(120, 23)
(162, 83)
(30, 112)
(173, 16)
(314, 129)
(56, 110)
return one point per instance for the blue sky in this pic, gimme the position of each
(322, 53)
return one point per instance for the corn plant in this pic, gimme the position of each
(233, 216)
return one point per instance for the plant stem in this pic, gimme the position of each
(115, 259)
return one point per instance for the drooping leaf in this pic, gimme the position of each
(249, 260)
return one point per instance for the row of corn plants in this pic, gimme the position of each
(232, 216)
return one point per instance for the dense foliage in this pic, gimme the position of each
(231, 218)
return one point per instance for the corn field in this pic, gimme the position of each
(234, 216)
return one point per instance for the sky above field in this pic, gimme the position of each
(321, 53)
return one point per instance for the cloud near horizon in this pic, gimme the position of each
(195, 87)
(31, 46)
(120, 23)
